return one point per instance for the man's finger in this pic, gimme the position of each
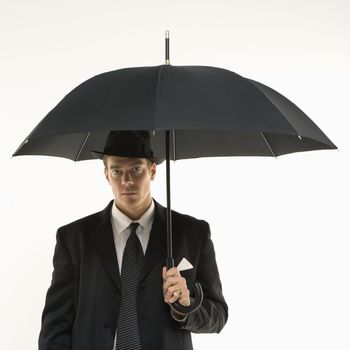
(184, 299)
(185, 302)
(173, 272)
(174, 283)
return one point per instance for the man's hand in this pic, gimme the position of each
(175, 287)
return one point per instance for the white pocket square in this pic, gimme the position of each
(184, 265)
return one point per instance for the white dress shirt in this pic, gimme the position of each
(121, 230)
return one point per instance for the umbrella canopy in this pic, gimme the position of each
(211, 112)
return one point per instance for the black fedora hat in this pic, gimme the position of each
(128, 143)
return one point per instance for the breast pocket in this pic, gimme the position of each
(188, 273)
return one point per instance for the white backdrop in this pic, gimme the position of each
(280, 227)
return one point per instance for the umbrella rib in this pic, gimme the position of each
(174, 145)
(270, 148)
(82, 146)
(254, 83)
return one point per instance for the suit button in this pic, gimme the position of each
(106, 324)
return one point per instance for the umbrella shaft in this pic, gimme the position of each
(170, 259)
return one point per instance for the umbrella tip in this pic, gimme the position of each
(167, 58)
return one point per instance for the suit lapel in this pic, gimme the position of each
(105, 246)
(104, 243)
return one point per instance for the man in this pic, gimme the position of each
(110, 289)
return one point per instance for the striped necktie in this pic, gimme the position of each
(128, 334)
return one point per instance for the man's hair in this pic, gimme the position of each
(104, 159)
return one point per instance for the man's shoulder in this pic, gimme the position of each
(182, 218)
(88, 221)
(187, 218)
(190, 226)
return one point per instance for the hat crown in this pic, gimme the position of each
(125, 143)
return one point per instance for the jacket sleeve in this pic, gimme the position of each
(213, 313)
(58, 313)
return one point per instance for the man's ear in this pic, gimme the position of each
(153, 171)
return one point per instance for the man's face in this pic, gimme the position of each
(130, 179)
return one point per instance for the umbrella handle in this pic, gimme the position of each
(195, 301)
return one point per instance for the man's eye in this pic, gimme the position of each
(137, 169)
(116, 172)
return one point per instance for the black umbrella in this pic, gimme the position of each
(195, 111)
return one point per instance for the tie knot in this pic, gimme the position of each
(133, 226)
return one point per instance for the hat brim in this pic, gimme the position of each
(100, 155)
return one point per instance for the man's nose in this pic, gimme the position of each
(127, 179)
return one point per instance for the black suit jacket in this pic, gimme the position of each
(82, 303)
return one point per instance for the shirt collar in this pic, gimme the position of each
(121, 221)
